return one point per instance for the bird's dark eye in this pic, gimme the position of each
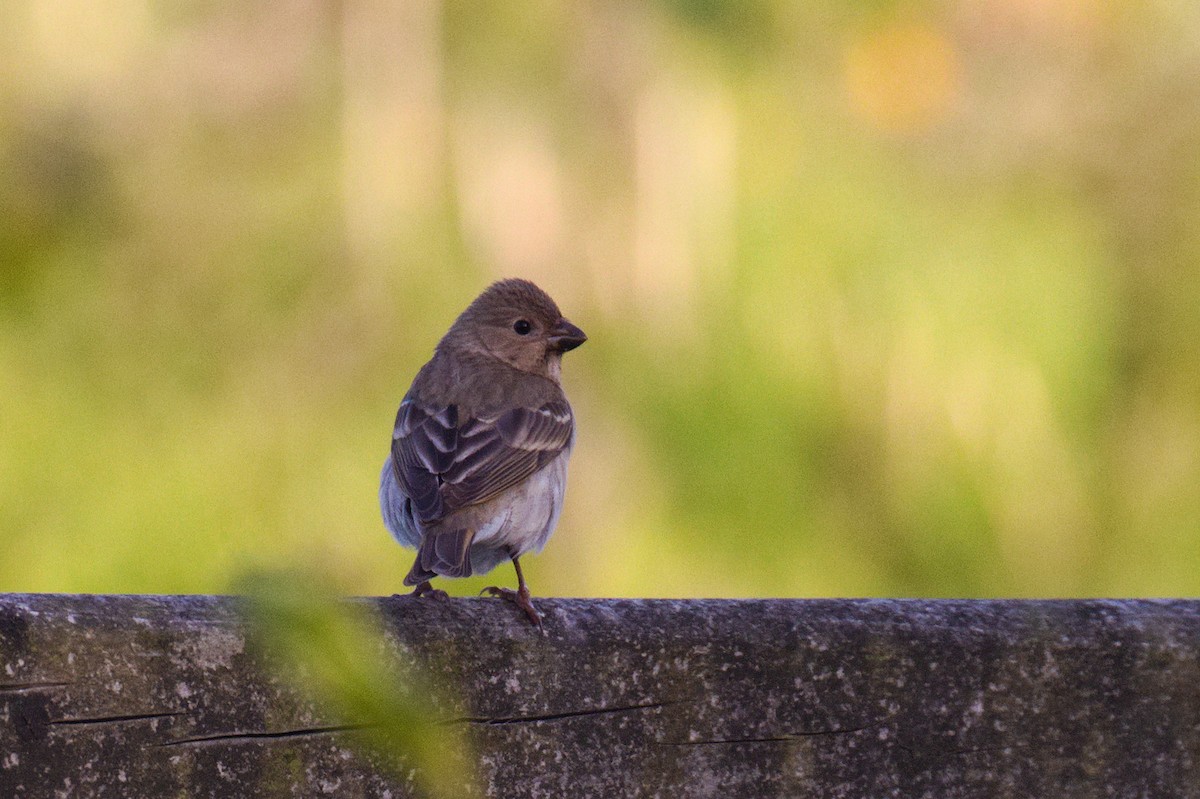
(522, 327)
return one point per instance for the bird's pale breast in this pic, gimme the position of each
(514, 523)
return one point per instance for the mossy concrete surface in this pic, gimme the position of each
(130, 696)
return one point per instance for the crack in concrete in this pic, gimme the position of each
(22, 687)
(246, 737)
(497, 721)
(115, 719)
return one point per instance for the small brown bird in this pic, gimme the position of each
(478, 466)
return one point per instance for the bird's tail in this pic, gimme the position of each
(446, 553)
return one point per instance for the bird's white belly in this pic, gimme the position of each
(515, 523)
(522, 519)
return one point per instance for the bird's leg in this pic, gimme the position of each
(426, 589)
(520, 597)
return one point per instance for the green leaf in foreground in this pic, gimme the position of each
(335, 651)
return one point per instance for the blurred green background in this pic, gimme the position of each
(884, 298)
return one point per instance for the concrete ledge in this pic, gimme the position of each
(159, 697)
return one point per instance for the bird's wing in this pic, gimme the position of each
(446, 460)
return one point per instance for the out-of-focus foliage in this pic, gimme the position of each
(336, 653)
(884, 298)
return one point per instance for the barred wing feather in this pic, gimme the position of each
(446, 460)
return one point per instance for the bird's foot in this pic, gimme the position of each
(520, 598)
(426, 589)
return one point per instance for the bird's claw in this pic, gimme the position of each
(425, 589)
(520, 598)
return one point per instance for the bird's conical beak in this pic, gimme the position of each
(565, 336)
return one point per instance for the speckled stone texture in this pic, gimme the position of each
(158, 697)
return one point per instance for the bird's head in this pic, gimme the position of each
(516, 322)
